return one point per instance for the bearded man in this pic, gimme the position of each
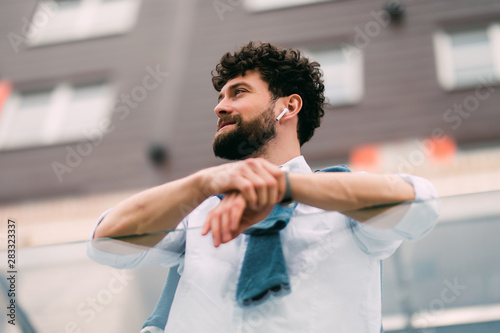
(266, 215)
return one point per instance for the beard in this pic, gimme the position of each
(248, 139)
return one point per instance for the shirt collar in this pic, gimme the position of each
(298, 164)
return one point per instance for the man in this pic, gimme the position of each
(325, 261)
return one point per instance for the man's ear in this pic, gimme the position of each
(294, 105)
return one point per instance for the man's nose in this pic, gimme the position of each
(224, 107)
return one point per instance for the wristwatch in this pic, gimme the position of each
(287, 198)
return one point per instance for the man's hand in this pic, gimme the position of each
(260, 182)
(231, 217)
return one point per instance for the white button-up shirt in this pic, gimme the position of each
(333, 263)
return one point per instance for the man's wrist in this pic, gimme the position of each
(202, 184)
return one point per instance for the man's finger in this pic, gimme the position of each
(237, 210)
(264, 177)
(206, 227)
(224, 224)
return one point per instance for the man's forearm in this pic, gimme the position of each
(348, 191)
(161, 208)
(156, 209)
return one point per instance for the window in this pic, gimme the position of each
(66, 20)
(60, 114)
(262, 5)
(343, 73)
(467, 57)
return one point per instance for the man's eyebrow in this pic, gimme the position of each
(234, 86)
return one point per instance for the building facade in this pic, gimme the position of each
(100, 99)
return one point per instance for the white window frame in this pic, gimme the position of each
(444, 58)
(55, 118)
(352, 74)
(264, 5)
(88, 19)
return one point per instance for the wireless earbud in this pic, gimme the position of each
(285, 110)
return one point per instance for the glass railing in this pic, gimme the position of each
(449, 281)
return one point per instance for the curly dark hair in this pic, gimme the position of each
(286, 71)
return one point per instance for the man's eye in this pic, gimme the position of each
(238, 91)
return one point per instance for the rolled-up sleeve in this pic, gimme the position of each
(168, 252)
(418, 220)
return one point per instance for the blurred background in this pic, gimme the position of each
(100, 99)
